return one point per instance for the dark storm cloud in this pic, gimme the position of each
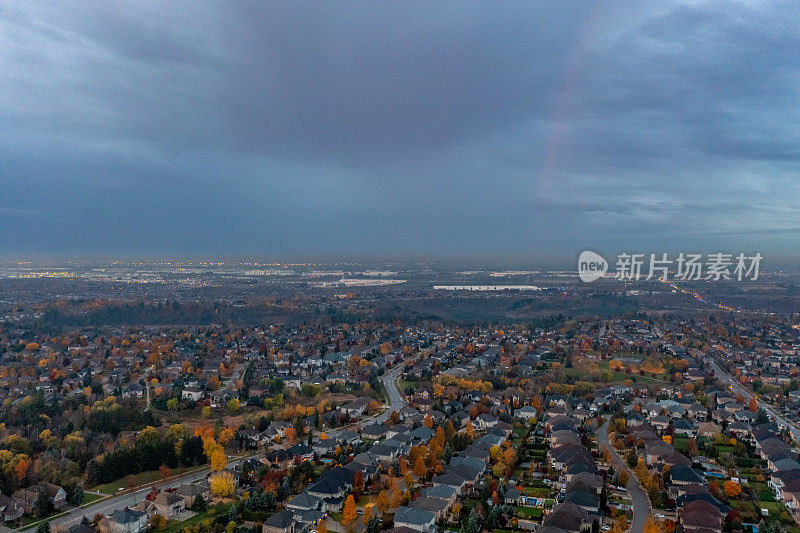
(411, 127)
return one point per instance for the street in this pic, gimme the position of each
(736, 387)
(396, 400)
(639, 499)
(130, 498)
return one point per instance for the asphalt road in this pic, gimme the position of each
(128, 498)
(396, 400)
(736, 387)
(639, 499)
(131, 498)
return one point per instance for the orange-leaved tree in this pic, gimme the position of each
(350, 514)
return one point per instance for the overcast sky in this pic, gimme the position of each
(430, 128)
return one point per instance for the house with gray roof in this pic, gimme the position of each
(416, 519)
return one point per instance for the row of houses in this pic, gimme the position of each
(580, 482)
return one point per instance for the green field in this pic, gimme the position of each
(142, 478)
(530, 512)
(537, 492)
(580, 370)
(173, 526)
(89, 498)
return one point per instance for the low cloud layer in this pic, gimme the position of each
(398, 128)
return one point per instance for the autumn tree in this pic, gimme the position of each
(623, 478)
(382, 502)
(419, 468)
(691, 447)
(350, 514)
(731, 489)
(395, 499)
(233, 405)
(536, 403)
(753, 405)
(510, 457)
(650, 526)
(226, 436)
(158, 521)
(221, 484)
(21, 470)
(358, 482)
(403, 463)
(291, 435)
(218, 459)
(620, 524)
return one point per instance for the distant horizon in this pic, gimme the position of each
(489, 262)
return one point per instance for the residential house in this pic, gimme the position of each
(124, 521)
(416, 519)
(169, 504)
(281, 522)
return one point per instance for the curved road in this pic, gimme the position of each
(396, 400)
(639, 499)
(132, 497)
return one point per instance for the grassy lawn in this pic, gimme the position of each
(403, 384)
(142, 478)
(774, 508)
(135, 480)
(581, 370)
(763, 492)
(173, 526)
(746, 509)
(28, 521)
(537, 492)
(530, 512)
(537, 484)
(89, 498)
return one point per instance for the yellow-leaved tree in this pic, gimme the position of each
(221, 484)
(382, 501)
(218, 459)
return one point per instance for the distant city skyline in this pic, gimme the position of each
(522, 130)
